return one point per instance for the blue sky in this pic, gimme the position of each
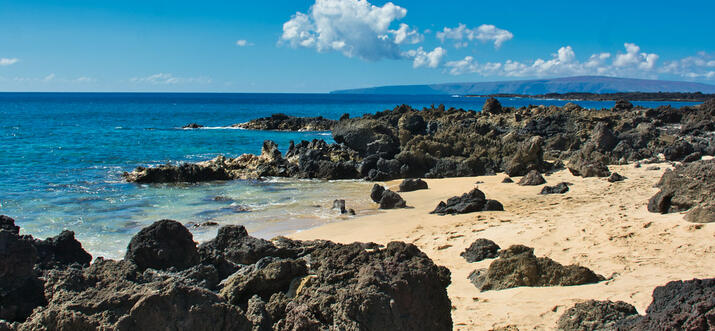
(322, 45)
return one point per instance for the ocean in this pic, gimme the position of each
(63, 155)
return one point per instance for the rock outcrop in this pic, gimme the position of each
(589, 162)
(283, 122)
(518, 266)
(688, 186)
(481, 249)
(410, 184)
(469, 202)
(279, 285)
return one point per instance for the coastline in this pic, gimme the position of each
(600, 225)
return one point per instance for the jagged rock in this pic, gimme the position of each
(588, 162)
(692, 157)
(507, 180)
(163, 245)
(528, 157)
(481, 249)
(409, 185)
(559, 188)
(233, 246)
(687, 186)
(595, 315)
(678, 150)
(8, 224)
(679, 305)
(491, 106)
(20, 290)
(517, 266)
(391, 200)
(358, 134)
(376, 192)
(264, 282)
(532, 178)
(473, 201)
(616, 177)
(623, 105)
(62, 250)
(704, 213)
(412, 123)
(603, 138)
(171, 174)
(192, 126)
(283, 122)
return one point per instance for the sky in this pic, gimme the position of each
(323, 45)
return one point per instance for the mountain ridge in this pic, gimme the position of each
(585, 84)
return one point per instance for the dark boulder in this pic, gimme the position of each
(412, 123)
(687, 186)
(559, 188)
(492, 106)
(391, 200)
(162, 245)
(603, 138)
(595, 315)
(507, 180)
(532, 178)
(61, 250)
(186, 172)
(517, 266)
(678, 150)
(529, 156)
(8, 224)
(409, 185)
(473, 201)
(192, 126)
(481, 249)
(679, 305)
(358, 133)
(283, 122)
(376, 192)
(623, 105)
(20, 290)
(616, 177)
(692, 157)
(588, 162)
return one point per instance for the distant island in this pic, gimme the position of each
(633, 96)
(580, 84)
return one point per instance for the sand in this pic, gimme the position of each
(600, 225)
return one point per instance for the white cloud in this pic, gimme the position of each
(355, 28)
(564, 62)
(702, 65)
(7, 61)
(48, 78)
(421, 58)
(461, 35)
(243, 43)
(406, 35)
(169, 79)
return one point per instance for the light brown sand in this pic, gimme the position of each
(600, 225)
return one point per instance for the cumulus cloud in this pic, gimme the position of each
(243, 43)
(169, 79)
(564, 62)
(8, 61)
(355, 28)
(701, 65)
(461, 35)
(422, 58)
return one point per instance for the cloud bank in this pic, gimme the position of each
(462, 35)
(8, 61)
(169, 79)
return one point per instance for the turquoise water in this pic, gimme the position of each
(63, 154)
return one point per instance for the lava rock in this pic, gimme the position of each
(588, 162)
(528, 157)
(533, 178)
(8, 224)
(163, 245)
(473, 201)
(616, 177)
(559, 188)
(20, 290)
(391, 200)
(517, 266)
(595, 315)
(491, 106)
(622, 105)
(409, 185)
(283, 122)
(192, 126)
(339, 204)
(62, 250)
(481, 249)
(688, 185)
(376, 192)
(507, 180)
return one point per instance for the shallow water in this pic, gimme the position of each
(63, 154)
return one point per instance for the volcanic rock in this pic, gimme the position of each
(481, 249)
(517, 266)
(531, 179)
(687, 186)
(163, 245)
(391, 200)
(595, 315)
(616, 177)
(409, 185)
(473, 201)
(491, 106)
(588, 162)
(192, 126)
(529, 156)
(283, 122)
(559, 188)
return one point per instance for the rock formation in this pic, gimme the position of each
(688, 187)
(470, 202)
(481, 249)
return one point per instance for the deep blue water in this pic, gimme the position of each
(63, 154)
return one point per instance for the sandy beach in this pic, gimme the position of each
(600, 225)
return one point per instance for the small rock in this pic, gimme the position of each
(481, 249)
(595, 315)
(376, 192)
(192, 126)
(532, 178)
(559, 188)
(409, 185)
(473, 201)
(391, 200)
(163, 245)
(339, 204)
(652, 168)
(616, 177)
(507, 180)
